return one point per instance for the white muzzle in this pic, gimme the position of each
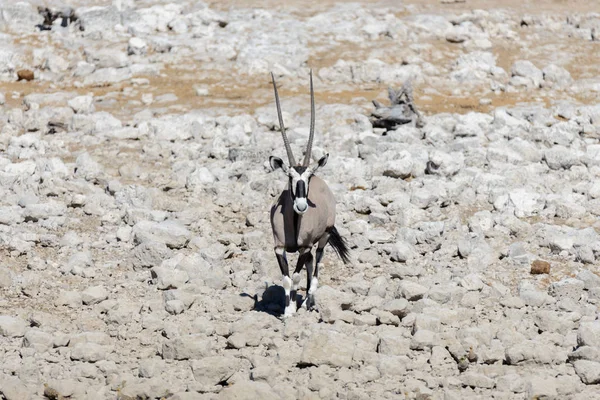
(300, 205)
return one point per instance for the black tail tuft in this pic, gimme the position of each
(339, 244)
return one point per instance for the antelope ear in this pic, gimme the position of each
(277, 162)
(320, 163)
(323, 160)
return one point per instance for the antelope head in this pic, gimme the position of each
(299, 174)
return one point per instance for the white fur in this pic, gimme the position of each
(314, 284)
(296, 280)
(287, 286)
(310, 296)
(305, 304)
(291, 310)
(300, 205)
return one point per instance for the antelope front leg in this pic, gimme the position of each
(290, 306)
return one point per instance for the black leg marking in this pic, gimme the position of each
(309, 273)
(285, 271)
(320, 250)
(283, 264)
(319, 258)
(305, 258)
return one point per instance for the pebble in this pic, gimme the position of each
(137, 255)
(411, 291)
(540, 267)
(25, 75)
(94, 295)
(12, 326)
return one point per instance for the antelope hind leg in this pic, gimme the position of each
(305, 259)
(313, 281)
(306, 304)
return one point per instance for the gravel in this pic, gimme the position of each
(136, 249)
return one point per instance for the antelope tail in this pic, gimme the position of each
(339, 244)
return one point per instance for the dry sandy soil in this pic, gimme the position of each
(136, 253)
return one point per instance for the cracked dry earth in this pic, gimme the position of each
(136, 256)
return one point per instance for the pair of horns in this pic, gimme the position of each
(288, 149)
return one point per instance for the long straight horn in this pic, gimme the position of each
(288, 149)
(312, 124)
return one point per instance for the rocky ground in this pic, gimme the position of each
(136, 254)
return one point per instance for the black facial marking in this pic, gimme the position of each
(300, 189)
(300, 169)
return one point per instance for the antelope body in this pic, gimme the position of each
(304, 215)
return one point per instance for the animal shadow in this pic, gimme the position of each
(272, 300)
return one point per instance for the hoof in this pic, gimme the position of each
(305, 304)
(289, 311)
(308, 303)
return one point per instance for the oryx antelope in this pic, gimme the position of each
(304, 215)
